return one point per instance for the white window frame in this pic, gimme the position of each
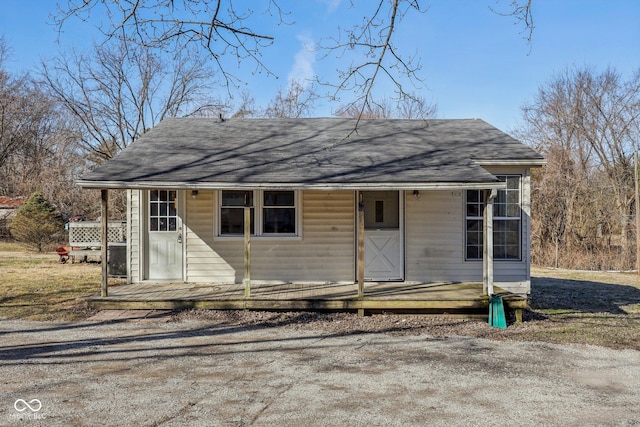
(258, 217)
(495, 219)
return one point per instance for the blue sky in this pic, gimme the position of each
(475, 63)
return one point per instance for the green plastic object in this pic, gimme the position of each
(497, 318)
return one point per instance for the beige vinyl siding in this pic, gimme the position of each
(325, 251)
(203, 263)
(435, 238)
(134, 222)
(435, 233)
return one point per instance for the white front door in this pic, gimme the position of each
(383, 259)
(164, 231)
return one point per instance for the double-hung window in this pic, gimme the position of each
(279, 212)
(273, 212)
(232, 204)
(507, 222)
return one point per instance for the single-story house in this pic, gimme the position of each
(320, 200)
(8, 209)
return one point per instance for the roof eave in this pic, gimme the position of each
(294, 186)
(532, 163)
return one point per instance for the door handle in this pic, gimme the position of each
(179, 238)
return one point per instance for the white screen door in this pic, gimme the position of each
(383, 260)
(164, 236)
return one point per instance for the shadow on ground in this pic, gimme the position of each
(581, 296)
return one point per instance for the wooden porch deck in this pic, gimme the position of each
(428, 298)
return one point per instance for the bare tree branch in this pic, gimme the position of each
(213, 25)
(522, 11)
(119, 93)
(373, 38)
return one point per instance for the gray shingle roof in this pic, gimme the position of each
(311, 152)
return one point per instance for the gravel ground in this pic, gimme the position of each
(263, 369)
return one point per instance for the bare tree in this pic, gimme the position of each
(370, 110)
(297, 101)
(14, 108)
(46, 151)
(247, 106)
(39, 144)
(222, 28)
(586, 123)
(413, 107)
(122, 91)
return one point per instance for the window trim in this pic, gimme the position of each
(480, 218)
(258, 208)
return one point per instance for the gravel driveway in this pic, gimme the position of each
(195, 372)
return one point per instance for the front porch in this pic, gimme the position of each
(460, 299)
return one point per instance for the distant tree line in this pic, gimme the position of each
(587, 124)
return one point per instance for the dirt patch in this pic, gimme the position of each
(131, 315)
(280, 372)
(345, 323)
(613, 331)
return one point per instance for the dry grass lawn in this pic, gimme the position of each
(601, 308)
(34, 286)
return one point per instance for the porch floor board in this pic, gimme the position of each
(453, 298)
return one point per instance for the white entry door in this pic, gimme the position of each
(164, 231)
(383, 259)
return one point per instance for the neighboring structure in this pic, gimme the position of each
(8, 208)
(321, 200)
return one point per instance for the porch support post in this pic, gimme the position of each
(360, 245)
(487, 244)
(104, 241)
(247, 248)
